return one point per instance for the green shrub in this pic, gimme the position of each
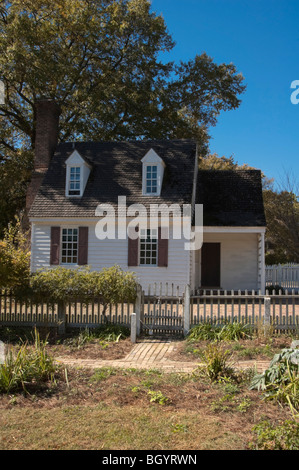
(111, 285)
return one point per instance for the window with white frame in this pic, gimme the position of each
(148, 247)
(69, 246)
(152, 174)
(151, 179)
(75, 181)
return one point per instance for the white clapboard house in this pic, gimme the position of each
(72, 180)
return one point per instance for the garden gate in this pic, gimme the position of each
(162, 315)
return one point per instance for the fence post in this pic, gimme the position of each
(133, 327)
(187, 310)
(61, 318)
(267, 315)
(137, 307)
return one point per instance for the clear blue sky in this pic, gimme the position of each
(261, 37)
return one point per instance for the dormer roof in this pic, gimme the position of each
(116, 170)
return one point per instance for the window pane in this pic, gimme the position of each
(69, 249)
(148, 247)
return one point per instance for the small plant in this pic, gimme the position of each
(233, 332)
(220, 405)
(79, 340)
(216, 362)
(179, 428)
(203, 331)
(158, 397)
(269, 437)
(111, 332)
(244, 405)
(103, 374)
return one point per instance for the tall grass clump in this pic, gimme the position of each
(212, 332)
(27, 368)
(216, 362)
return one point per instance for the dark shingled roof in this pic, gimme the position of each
(231, 198)
(116, 171)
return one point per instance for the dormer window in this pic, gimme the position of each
(77, 173)
(152, 174)
(75, 181)
(151, 179)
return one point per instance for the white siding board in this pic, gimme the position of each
(239, 260)
(106, 253)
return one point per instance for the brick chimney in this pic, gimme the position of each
(46, 139)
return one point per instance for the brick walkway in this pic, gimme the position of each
(152, 354)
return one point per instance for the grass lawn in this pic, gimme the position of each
(115, 409)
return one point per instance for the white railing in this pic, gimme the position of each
(283, 275)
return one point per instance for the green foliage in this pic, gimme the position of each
(158, 397)
(275, 289)
(214, 162)
(101, 62)
(111, 285)
(211, 332)
(28, 368)
(14, 258)
(203, 331)
(15, 173)
(111, 332)
(282, 216)
(280, 381)
(216, 362)
(281, 437)
(105, 334)
(103, 374)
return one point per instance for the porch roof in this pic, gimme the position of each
(231, 198)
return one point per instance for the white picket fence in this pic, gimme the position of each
(163, 310)
(283, 275)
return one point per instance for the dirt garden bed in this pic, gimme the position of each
(130, 409)
(118, 409)
(242, 350)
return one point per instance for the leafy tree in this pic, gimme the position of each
(282, 216)
(214, 162)
(100, 60)
(281, 210)
(14, 258)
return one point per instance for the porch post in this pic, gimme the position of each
(261, 263)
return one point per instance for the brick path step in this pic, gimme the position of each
(152, 354)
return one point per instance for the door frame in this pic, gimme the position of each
(202, 266)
